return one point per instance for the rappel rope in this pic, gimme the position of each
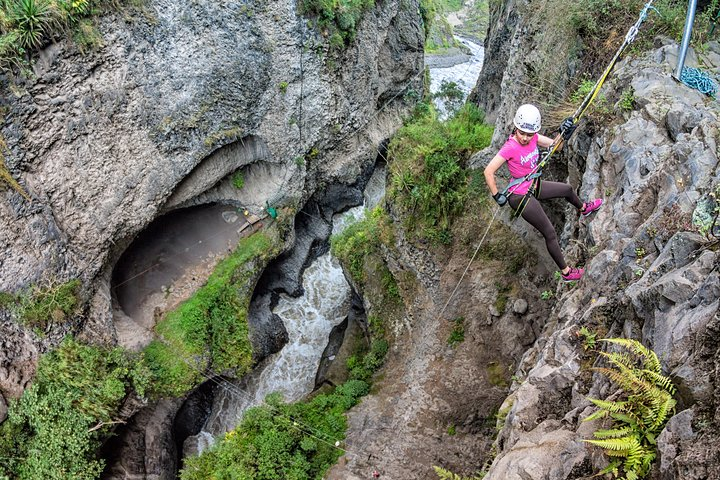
(537, 171)
(629, 38)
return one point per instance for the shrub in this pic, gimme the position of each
(639, 417)
(337, 19)
(54, 430)
(283, 441)
(42, 305)
(26, 25)
(359, 240)
(428, 180)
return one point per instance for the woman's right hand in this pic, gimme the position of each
(500, 199)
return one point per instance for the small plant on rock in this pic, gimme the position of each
(643, 406)
(546, 295)
(627, 100)
(238, 180)
(448, 475)
(588, 338)
(457, 336)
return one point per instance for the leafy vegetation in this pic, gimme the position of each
(641, 413)
(289, 441)
(210, 329)
(448, 475)
(428, 180)
(361, 239)
(42, 305)
(26, 25)
(457, 335)
(337, 20)
(54, 430)
(588, 337)
(238, 180)
(451, 96)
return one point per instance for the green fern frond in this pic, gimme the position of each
(640, 416)
(612, 468)
(650, 359)
(662, 413)
(613, 432)
(612, 407)
(624, 444)
(660, 380)
(631, 476)
(597, 415)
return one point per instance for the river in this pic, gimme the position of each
(464, 74)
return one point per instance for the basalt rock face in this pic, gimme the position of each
(181, 96)
(647, 278)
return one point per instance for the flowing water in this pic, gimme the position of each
(308, 319)
(464, 74)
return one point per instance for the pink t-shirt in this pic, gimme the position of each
(521, 160)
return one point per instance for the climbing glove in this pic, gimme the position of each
(500, 198)
(567, 128)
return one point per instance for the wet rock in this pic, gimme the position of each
(3, 409)
(284, 274)
(144, 448)
(267, 330)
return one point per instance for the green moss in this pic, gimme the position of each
(46, 304)
(337, 20)
(497, 374)
(210, 329)
(221, 137)
(502, 297)
(457, 336)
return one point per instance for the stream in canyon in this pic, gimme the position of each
(176, 254)
(463, 70)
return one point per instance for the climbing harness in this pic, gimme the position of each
(533, 191)
(537, 171)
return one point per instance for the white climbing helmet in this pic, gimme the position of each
(527, 118)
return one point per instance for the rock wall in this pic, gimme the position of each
(653, 157)
(181, 95)
(647, 278)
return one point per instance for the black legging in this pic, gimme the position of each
(536, 216)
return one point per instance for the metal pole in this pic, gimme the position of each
(687, 33)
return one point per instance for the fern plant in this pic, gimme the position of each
(639, 415)
(448, 475)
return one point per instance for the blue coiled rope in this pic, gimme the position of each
(699, 80)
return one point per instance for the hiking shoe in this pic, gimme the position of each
(590, 207)
(573, 275)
